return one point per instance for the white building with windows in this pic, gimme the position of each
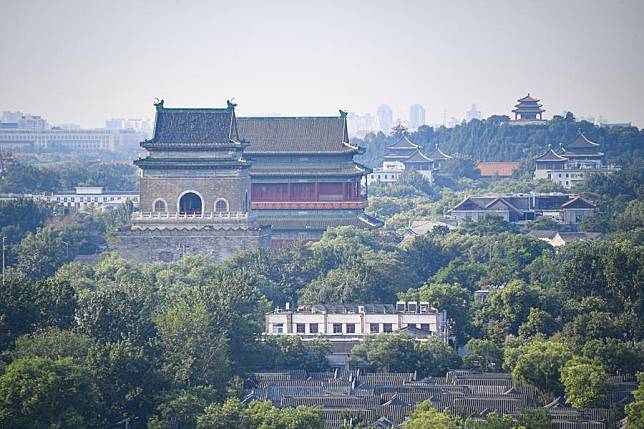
(345, 325)
(84, 198)
(389, 173)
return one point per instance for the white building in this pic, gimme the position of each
(571, 163)
(389, 173)
(346, 325)
(84, 198)
(82, 140)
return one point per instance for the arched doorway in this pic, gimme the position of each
(190, 203)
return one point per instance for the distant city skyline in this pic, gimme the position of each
(83, 62)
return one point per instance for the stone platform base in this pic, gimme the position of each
(167, 245)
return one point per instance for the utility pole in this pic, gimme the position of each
(3, 238)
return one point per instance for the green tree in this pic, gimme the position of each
(37, 393)
(585, 383)
(290, 352)
(180, 409)
(115, 312)
(635, 410)
(426, 416)
(449, 297)
(484, 354)
(538, 363)
(127, 379)
(535, 419)
(53, 343)
(193, 354)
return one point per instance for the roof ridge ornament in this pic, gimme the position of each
(158, 103)
(343, 114)
(231, 105)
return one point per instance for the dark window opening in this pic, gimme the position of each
(190, 203)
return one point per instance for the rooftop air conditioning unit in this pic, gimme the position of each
(411, 307)
(400, 306)
(361, 309)
(424, 307)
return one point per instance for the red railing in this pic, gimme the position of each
(309, 205)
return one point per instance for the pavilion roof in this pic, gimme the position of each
(581, 142)
(403, 143)
(418, 157)
(528, 98)
(438, 154)
(550, 155)
(295, 134)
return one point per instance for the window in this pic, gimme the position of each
(300, 328)
(313, 328)
(424, 326)
(159, 206)
(374, 328)
(351, 328)
(387, 327)
(337, 328)
(278, 328)
(221, 206)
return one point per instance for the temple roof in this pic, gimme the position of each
(528, 98)
(295, 134)
(550, 155)
(176, 126)
(581, 142)
(493, 169)
(438, 154)
(403, 143)
(418, 157)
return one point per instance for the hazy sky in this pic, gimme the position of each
(84, 61)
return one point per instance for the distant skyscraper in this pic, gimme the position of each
(385, 117)
(472, 114)
(416, 116)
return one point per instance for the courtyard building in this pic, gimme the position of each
(563, 208)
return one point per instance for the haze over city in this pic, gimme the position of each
(83, 62)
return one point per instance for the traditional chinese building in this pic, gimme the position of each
(215, 184)
(528, 110)
(566, 209)
(304, 179)
(406, 155)
(570, 163)
(195, 190)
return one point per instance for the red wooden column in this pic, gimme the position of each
(317, 191)
(290, 191)
(344, 191)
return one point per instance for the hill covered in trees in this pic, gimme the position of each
(493, 139)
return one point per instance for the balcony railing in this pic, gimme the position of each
(309, 205)
(189, 217)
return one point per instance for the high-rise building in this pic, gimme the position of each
(472, 114)
(385, 117)
(416, 116)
